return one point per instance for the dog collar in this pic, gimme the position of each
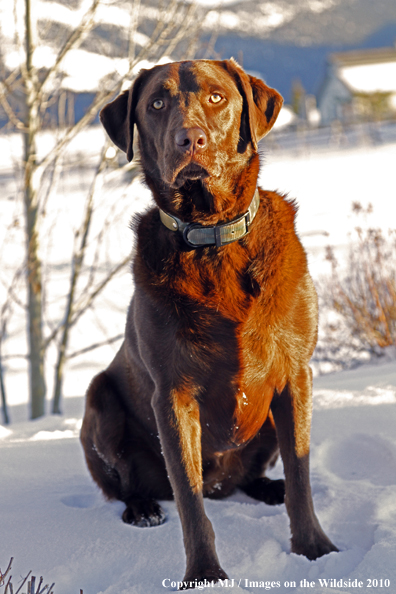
(196, 235)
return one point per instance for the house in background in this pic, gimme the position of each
(360, 85)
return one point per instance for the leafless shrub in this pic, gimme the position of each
(364, 293)
(29, 581)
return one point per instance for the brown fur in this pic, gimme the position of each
(218, 340)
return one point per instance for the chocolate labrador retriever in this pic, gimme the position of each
(213, 373)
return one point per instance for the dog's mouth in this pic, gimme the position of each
(192, 171)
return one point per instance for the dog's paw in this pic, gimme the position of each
(206, 578)
(143, 513)
(314, 548)
(267, 490)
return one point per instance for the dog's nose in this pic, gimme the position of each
(190, 139)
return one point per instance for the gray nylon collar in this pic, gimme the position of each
(196, 235)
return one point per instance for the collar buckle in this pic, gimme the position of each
(187, 229)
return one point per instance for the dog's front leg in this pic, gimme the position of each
(177, 416)
(292, 415)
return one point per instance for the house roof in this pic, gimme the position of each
(367, 71)
(364, 57)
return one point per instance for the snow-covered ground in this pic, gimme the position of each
(55, 522)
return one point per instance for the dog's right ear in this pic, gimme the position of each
(118, 117)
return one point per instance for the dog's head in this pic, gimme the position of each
(225, 107)
(197, 120)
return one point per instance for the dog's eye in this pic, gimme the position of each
(158, 104)
(215, 98)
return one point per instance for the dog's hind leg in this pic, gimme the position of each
(255, 484)
(292, 414)
(118, 457)
(272, 492)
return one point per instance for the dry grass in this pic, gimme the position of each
(29, 582)
(365, 293)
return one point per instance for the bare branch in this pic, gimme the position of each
(94, 266)
(73, 41)
(31, 583)
(78, 256)
(9, 111)
(11, 80)
(3, 575)
(11, 296)
(212, 41)
(135, 10)
(169, 17)
(89, 301)
(14, 356)
(23, 583)
(189, 22)
(15, 297)
(18, 41)
(81, 307)
(4, 405)
(44, 589)
(54, 176)
(95, 346)
(101, 98)
(78, 259)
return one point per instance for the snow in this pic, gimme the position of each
(272, 16)
(57, 12)
(285, 118)
(94, 67)
(83, 71)
(55, 521)
(319, 6)
(370, 78)
(217, 3)
(225, 18)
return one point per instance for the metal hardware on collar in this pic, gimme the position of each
(196, 235)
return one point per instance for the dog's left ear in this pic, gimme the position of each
(261, 105)
(114, 120)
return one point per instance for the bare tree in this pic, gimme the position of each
(27, 94)
(4, 406)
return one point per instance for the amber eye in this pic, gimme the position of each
(158, 104)
(215, 98)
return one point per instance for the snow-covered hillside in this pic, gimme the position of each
(284, 40)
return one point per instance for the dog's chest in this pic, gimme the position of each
(227, 353)
(218, 343)
(236, 417)
(214, 281)
(236, 405)
(260, 367)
